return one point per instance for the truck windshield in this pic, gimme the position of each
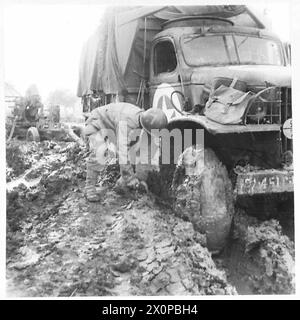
(222, 50)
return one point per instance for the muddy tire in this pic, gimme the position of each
(206, 199)
(33, 134)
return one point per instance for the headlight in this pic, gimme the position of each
(257, 112)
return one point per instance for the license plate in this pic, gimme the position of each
(265, 181)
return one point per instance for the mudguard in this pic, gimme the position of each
(217, 128)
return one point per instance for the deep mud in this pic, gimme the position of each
(58, 244)
(259, 258)
(19, 157)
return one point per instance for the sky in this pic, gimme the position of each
(42, 43)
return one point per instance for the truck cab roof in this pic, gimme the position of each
(178, 31)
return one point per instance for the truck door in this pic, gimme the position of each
(165, 78)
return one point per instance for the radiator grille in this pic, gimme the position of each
(265, 107)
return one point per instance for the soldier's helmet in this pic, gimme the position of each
(153, 119)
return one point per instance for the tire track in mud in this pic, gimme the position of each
(114, 248)
(124, 245)
(157, 254)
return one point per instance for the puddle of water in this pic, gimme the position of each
(14, 183)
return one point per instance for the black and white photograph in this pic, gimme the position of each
(148, 149)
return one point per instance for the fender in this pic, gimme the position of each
(217, 128)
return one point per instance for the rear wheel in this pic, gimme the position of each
(204, 196)
(33, 134)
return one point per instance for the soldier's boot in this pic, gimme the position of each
(90, 186)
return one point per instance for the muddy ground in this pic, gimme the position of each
(58, 244)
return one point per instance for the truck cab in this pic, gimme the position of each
(189, 53)
(186, 59)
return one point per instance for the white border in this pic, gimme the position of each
(295, 32)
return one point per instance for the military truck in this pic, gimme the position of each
(191, 61)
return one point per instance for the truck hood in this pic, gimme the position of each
(253, 75)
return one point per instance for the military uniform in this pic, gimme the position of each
(118, 124)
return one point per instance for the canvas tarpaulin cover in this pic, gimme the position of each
(116, 57)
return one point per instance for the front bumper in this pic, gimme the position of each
(264, 182)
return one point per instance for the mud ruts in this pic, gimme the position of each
(58, 244)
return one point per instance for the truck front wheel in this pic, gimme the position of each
(202, 194)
